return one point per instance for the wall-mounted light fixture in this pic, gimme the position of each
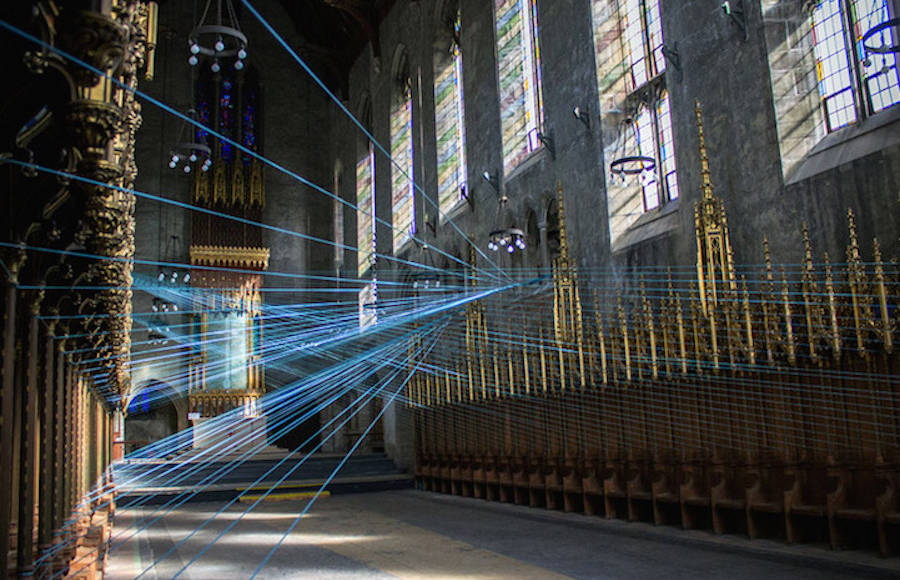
(735, 11)
(672, 56)
(492, 179)
(547, 142)
(464, 193)
(582, 116)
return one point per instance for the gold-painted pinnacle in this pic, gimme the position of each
(704, 157)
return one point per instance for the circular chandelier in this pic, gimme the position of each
(172, 276)
(511, 239)
(160, 305)
(625, 164)
(632, 165)
(426, 281)
(219, 40)
(158, 328)
(187, 153)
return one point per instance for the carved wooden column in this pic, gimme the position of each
(59, 437)
(69, 442)
(8, 395)
(28, 460)
(47, 400)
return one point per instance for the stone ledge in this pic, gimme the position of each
(653, 224)
(876, 133)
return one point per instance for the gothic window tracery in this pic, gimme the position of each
(450, 121)
(402, 172)
(519, 74)
(229, 101)
(853, 83)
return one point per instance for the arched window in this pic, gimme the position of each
(643, 40)
(654, 139)
(402, 178)
(365, 199)
(365, 220)
(229, 101)
(338, 219)
(450, 126)
(519, 75)
(630, 66)
(853, 82)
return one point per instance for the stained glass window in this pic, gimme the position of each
(450, 128)
(646, 144)
(653, 131)
(365, 222)
(841, 56)
(338, 222)
(643, 40)
(402, 171)
(249, 121)
(833, 65)
(628, 45)
(519, 74)
(880, 72)
(666, 148)
(368, 299)
(226, 116)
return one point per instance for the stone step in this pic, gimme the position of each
(159, 481)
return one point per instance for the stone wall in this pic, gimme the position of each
(753, 160)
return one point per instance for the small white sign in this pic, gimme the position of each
(193, 416)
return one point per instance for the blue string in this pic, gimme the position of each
(371, 137)
(211, 131)
(336, 470)
(238, 219)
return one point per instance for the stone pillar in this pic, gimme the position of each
(545, 251)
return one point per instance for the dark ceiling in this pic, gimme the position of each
(334, 33)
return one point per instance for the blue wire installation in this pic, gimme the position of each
(372, 393)
(331, 476)
(283, 396)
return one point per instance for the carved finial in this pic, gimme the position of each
(768, 258)
(563, 242)
(807, 248)
(704, 157)
(853, 248)
(472, 262)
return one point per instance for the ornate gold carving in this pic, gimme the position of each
(219, 187)
(95, 38)
(884, 326)
(714, 257)
(237, 185)
(230, 257)
(257, 184)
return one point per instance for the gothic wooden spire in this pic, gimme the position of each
(707, 188)
(715, 269)
(563, 242)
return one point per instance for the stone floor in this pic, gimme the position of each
(410, 534)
